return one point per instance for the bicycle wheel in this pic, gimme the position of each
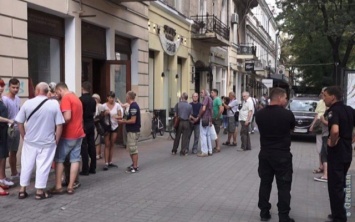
(154, 134)
(172, 133)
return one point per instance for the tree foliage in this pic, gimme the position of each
(319, 32)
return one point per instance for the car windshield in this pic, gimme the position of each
(303, 105)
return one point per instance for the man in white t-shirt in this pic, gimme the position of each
(40, 138)
(232, 108)
(245, 118)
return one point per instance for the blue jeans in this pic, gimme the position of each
(70, 148)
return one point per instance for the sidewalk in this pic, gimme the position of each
(220, 188)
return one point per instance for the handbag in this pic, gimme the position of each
(213, 133)
(205, 122)
(102, 126)
(317, 127)
(236, 116)
(11, 131)
(176, 122)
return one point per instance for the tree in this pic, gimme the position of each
(320, 31)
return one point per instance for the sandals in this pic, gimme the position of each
(319, 170)
(43, 196)
(226, 143)
(56, 191)
(70, 191)
(4, 193)
(22, 195)
(215, 150)
(4, 187)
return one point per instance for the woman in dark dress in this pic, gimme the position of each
(4, 121)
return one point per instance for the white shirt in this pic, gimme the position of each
(40, 129)
(234, 106)
(247, 106)
(113, 114)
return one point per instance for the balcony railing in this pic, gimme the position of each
(204, 24)
(246, 49)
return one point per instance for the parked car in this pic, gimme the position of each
(303, 109)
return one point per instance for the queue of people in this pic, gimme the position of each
(61, 128)
(207, 118)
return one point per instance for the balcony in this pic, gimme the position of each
(211, 30)
(120, 1)
(246, 51)
(250, 3)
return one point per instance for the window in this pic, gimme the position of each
(45, 47)
(44, 60)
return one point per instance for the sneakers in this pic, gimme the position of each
(17, 176)
(131, 167)
(132, 170)
(321, 179)
(105, 168)
(112, 165)
(265, 218)
(6, 182)
(76, 184)
(202, 154)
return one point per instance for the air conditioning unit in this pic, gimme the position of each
(235, 18)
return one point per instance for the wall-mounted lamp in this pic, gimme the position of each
(162, 74)
(176, 76)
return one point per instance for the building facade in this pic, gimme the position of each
(158, 49)
(101, 41)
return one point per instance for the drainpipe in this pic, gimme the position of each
(276, 35)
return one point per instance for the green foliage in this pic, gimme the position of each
(318, 32)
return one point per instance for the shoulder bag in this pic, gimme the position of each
(206, 121)
(37, 108)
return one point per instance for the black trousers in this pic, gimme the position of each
(88, 150)
(184, 129)
(336, 184)
(271, 166)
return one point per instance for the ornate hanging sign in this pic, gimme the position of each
(166, 39)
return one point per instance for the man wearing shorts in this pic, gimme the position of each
(12, 103)
(133, 126)
(71, 139)
(217, 116)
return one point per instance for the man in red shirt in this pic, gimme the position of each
(71, 139)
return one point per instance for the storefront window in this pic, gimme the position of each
(44, 58)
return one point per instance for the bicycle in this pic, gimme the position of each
(172, 130)
(157, 125)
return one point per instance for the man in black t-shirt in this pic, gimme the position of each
(275, 159)
(133, 127)
(341, 121)
(88, 144)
